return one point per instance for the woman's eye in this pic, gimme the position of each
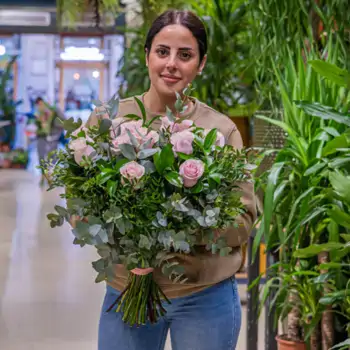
(185, 55)
(162, 52)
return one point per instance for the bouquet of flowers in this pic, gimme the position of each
(144, 194)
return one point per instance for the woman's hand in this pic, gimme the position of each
(74, 219)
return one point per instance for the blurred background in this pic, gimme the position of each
(58, 56)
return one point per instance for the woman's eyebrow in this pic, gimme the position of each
(181, 48)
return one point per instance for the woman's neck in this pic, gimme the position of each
(157, 103)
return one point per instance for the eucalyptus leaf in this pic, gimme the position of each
(145, 242)
(128, 151)
(133, 139)
(105, 126)
(170, 114)
(146, 153)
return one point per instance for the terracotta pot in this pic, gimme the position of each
(6, 164)
(284, 344)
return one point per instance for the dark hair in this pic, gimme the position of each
(187, 19)
(38, 100)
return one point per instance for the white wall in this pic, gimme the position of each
(37, 68)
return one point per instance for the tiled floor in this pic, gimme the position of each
(48, 299)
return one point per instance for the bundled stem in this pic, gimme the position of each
(141, 301)
(327, 316)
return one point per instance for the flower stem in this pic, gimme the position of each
(141, 301)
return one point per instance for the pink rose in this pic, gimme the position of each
(122, 139)
(176, 127)
(131, 126)
(80, 148)
(182, 142)
(132, 171)
(220, 138)
(191, 171)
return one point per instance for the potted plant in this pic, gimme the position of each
(297, 191)
(7, 105)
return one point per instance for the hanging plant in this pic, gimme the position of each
(69, 12)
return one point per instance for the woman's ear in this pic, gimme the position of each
(202, 65)
(146, 53)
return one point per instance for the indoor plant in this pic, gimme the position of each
(295, 196)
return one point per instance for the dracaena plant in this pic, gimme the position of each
(302, 203)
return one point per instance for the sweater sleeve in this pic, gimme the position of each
(238, 236)
(94, 118)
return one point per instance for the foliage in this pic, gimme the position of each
(305, 201)
(7, 105)
(278, 28)
(226, 82)
(140, 220)
(70, 12)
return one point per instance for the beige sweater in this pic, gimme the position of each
(201, 268)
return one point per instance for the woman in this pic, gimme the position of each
(205, 313)
(49, 130)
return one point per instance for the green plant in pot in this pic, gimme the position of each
(337, 273)
(297, 193)
(7, 105)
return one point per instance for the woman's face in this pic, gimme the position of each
(173, 61)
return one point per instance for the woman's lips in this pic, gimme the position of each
(170, 79)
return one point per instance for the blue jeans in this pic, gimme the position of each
(207, 320)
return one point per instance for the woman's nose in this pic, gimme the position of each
(171, 63)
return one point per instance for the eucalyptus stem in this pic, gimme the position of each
(141, 301)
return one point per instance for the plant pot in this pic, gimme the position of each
(284, 344)
(243, 125)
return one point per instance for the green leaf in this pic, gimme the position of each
(133, 139)
(95, 229)
(128, 151)
(199, 187)
(315, 168)
(170, 114)
(269, 195)
(216, 177)
(184, 156)
(142, 109)
(146, 153)
(114, 103)
(323, 112)
(105, 126)
(341, 185)
(99, 265)
(332, 131)
(174, 178)
(165, 159)
(339, 216)
(132, 116)
(101, 277)
(335, 144)
(292, 134)
(331, 72)
(225, 251)
(343, 344)
(70, 125)
(60, 210)
(210, 139)
(315, 249)
(145, 242)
